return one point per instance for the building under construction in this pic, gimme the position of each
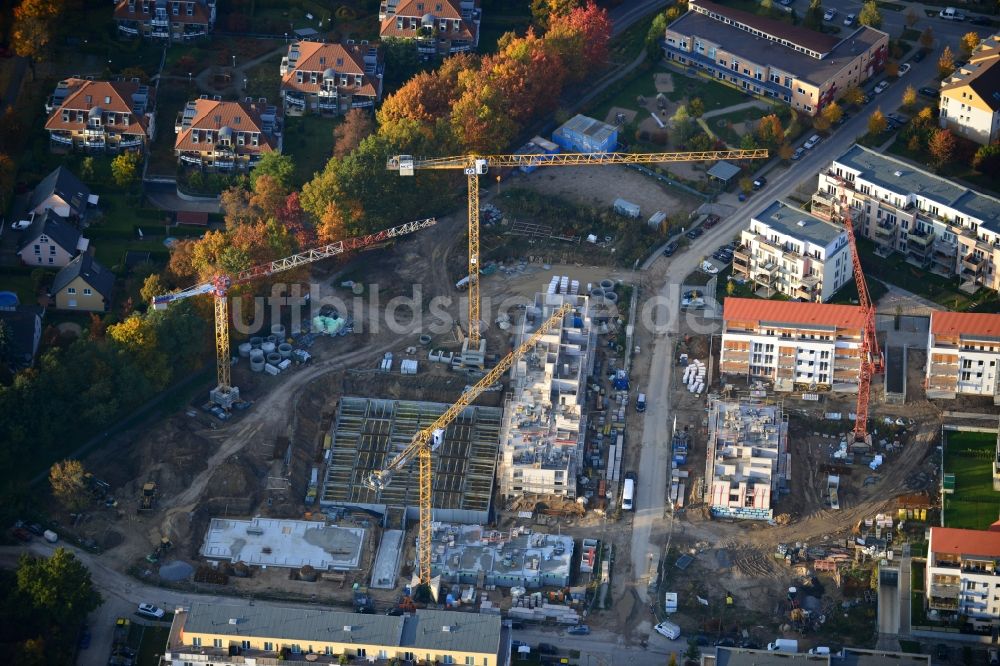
(544, 421)
(748, 458)
(368, 433)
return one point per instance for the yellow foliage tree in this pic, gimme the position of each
(68, 485)
(877, 123)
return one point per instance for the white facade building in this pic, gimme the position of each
(963, 351)
(786, 250)
(541, 441)
(963, 574)
(804, 345)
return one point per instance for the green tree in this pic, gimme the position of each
(152, 286)
(60, 585)
(814, 15)
(68, 485)
(987, 159)
(683, 126)
(946, 63)
(926, 39)
(870, 15)
(87, 168)
(125, 168)
(696, 108)
(278, 166)
(656, 31)
(767, 6)
(877, 123)
(748, 142)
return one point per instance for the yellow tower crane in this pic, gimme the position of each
(475, 166)
(428, 440)
(225, 394)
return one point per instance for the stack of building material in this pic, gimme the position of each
(408, 367)
(694, 376)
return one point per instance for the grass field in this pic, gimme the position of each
(969, 456)
(309, 141)
(148, 642)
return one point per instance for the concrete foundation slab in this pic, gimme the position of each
(284, 543)
(386, 569)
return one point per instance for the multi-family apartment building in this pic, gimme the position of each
(936, 224)
(331, 79)
(970, 98)
(226, 136)
(544, 424)
(788, 251)
(963, 574)
(963, 349)
(262, 633)
(100, 116)
(765, 56)
(748, 455)
(172, 20)
(439, 27)
(809, 345)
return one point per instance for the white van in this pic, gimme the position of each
(628, 495)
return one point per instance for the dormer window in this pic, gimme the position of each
(43, 239)
(65, 116)
(194, 136)
(340, 62)
(399, 23)
(298, 76)
(322, 60)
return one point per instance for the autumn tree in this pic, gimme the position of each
(767, 6)
(821, 123)
(924, 119)
(941, 147)
(785, 151)
(60, 585)
(152, 287)
(970, 41)
(7, 172)
(877, 123)
(276, 165)
(909, 97)
(926, 39)
(481, 120)
(682, 125)
(853, 95)
(235, 205)
(581, 36)
(892, 69)
(268, 196)
(68, 484)
(34, 25)
(987, 159)
(770, 131)
(293, 218)
(870, 15)
(832, 113)
(137, 336)
(911, 17)
(125, 168)
(946, 63)
(746, 183)
(347, 136)
(814, 15)
(543, 11)
(696, 108)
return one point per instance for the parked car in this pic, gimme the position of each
(865, 99)
(927, 91)
(547, 648)
(694, 233)
(20, 225)
(849, 20)
(811, 143)
(897, 118)
(579, 630)
(880, 88)
(797, 155)
(725, 642)
(668, 629)
(670, 248)
(21, 534)
(711, 221)
(759, 183)
(151, 611)
(904, 68)
(829, 14)
(843, 119)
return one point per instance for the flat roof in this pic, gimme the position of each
(972, 324)
(901, 176)
(465, 550)
(862, 657)
(724, 170)
(590, 127)
(793, 221)
(284, 543)
(793, 313)
(766, 52)
(468, 632)
(804, 37)
(743, 657)
(954, 541)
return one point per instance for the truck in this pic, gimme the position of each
(951, 14)
(640, 403)
(679, 446)
(628, 494)
(783, 645)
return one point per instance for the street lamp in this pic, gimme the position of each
(234, 62)
(189, 78)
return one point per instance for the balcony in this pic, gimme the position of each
(972, 266)
(237, 655)
(61, 138)
(884, 230)
(918, 239)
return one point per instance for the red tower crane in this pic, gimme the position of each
(871, 355)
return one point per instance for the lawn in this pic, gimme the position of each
(148, 642)
(624, 93)
(264, 80)
(169, 103)
(20, 283)
(309, 141)
(969, 456)
(712, 94)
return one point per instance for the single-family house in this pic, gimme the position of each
(62, 193)
(83, 285)
(51, 241)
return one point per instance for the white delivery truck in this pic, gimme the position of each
(783, 645)
(668, 629)
(628, 492)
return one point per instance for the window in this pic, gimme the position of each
(87, 291)
(216, 642)
(268, 646)
(196, 641)
(52, 249)
(447, 659)
(470, 661)
(52, 260)
(38, 249)
(383, 654)
(362, 652)
(245, 645)
(71, 290)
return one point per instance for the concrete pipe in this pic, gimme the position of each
(425, 339)
(245, 348)
(274, 358)
(607, 285)
(278, 330)
(272, 339)
(257, 364)
(285, 350)
(268, 347)
(255, 342)
(597, 293)
(611, 297)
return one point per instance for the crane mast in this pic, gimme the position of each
(871, 355)
(475, 166)
(224, 393)
(426, 441)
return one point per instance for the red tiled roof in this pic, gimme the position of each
(792, 312)
(417, 9)
(213, 115)
(968, 323)
(952, 541)
(318, 57)
(111, 96)
(804, 37)
(389, 29)
(200, 15)
(449, 9)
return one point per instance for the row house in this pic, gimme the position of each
(788, 251)
(970, 98)
(963, 349)
(100, 116)
(804, 68)
(934, 223)
(792, 344)
(226, 136)
(331, 79)
(439, 27)
(962, 577)
(172, 20)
